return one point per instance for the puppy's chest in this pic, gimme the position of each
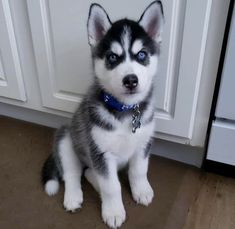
(121, 142)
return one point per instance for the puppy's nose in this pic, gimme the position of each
(130, 81)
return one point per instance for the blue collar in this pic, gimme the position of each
(114, 103)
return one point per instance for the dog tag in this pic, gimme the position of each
(136, 119)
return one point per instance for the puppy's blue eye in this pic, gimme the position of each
(112, 58)
(141, 56)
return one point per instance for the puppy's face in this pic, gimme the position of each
(125, 53)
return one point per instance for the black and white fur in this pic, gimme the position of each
(99, 139)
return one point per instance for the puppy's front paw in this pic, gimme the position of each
(142, 193)
(113, 214)
(73, 200)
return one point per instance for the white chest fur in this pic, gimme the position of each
(121, 142)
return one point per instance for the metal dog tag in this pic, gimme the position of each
(136, 119)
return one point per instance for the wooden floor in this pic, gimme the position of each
(214, 204)
(185, 197)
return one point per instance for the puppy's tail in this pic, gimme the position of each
(50, 176)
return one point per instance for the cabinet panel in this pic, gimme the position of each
(11, 79)
(194, 37)
(221, 144)
(225, 106)
(63, 55)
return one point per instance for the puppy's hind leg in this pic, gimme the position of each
(72, 171)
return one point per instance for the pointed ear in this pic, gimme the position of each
(98, 24)
(152, 20)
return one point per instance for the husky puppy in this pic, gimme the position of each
(113, 125)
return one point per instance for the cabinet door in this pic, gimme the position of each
(221, 145)
(63, 55)
(225, 107)
(11, 80)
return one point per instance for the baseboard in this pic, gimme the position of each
(178, 152)
(28, 115)
(175, 151)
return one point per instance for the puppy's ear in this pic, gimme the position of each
(98, 24)
(152, 20)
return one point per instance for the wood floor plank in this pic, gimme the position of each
(200, 213)
(191, 184)
(224, 207)
(214, 207)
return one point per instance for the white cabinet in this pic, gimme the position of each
(221, 147)
(61, 51)
(221, 144)
(191, 43)
(225, 107)
(11, 79)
